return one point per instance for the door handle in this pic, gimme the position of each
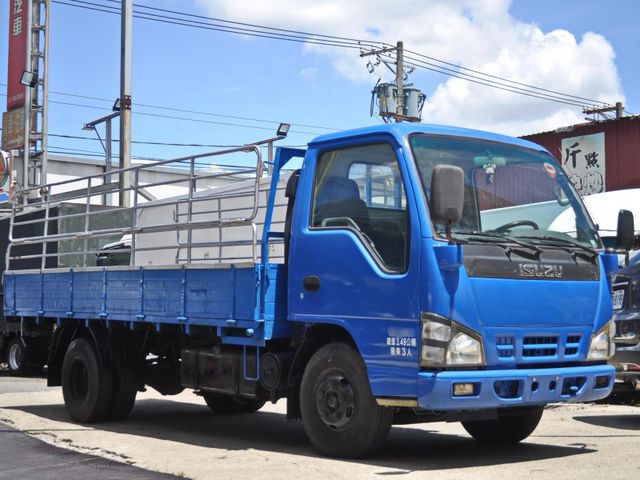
(311, 283)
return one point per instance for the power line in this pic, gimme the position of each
(141, 142)
(412, 62)
(426, 62)
(263, 32)
(248, 24)
(197, 112)
(182, 110)
(502, 79)
(173, 117)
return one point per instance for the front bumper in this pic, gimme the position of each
(513, 388)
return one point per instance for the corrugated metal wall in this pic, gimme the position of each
(622, 148)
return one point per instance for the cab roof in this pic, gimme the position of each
(401, 130)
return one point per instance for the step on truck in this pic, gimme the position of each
(404, 274)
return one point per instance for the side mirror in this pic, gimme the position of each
(625, 238)
(447, 195)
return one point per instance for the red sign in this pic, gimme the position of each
(18, 31)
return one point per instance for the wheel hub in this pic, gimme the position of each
(335, 401)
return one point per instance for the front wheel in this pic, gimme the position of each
(339, 413)
(507, 429)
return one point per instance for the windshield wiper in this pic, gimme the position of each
(503, 238)
(560, 242)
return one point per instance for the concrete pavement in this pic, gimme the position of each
(178, 435)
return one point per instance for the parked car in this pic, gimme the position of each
(603, 209)
(116, 253)
(627, 319)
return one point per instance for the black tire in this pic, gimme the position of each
(506, 430)
(339, 413)
(24, 356)
(126, 377)
(227, 404)
(87, 383)
(17, 356)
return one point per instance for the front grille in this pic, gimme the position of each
(572, 346)
(505, 346)
(537, 347)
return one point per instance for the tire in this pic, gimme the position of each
(25, 357)
(17, 354)
(339, 413)
(126, 377)
(229, 404)
(506, 430)
(87, 383)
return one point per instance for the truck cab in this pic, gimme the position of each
(491, 309)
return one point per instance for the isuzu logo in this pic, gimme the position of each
(540, 270)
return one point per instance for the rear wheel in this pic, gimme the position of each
(17, 356)
(87, 383)
(224, 404)
(508, 429)
(339, 413)
(24, 356)
(126, 376)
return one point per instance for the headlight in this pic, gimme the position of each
(602, 346)
(445, 343)
(464, 350)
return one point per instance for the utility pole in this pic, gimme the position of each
(125, 101)
(398, 102)
(400, 80)
(618, 108)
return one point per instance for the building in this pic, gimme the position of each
(598, 156)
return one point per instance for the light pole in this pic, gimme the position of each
(106, 145)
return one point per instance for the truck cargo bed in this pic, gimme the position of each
(245, 302)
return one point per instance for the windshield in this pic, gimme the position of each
(511, 192)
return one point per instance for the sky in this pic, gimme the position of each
(203, 87)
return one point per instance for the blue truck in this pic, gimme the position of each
(405, 273)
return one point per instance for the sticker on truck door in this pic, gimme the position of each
(402, 346)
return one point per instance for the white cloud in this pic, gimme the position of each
(309, 73)
(479, 35)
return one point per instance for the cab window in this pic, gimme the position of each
(361, 189)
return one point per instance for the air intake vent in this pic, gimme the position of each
(539, 347)
(505, 346)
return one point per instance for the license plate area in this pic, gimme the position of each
(618, 296)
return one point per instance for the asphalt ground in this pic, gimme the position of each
(179, 436)
(25, 457)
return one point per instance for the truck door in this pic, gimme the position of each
(354, 256)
